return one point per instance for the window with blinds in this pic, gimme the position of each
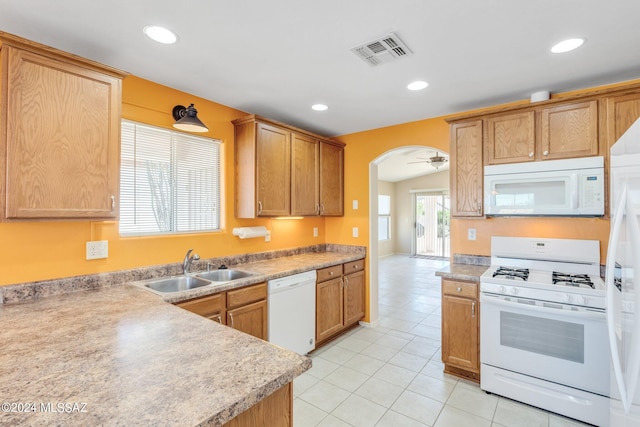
(169, 181)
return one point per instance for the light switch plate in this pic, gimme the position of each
(315, 231)
(355, 205)
(471, 234)
(355, 231)
(97, 249)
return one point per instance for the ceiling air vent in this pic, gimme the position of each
(381, 50)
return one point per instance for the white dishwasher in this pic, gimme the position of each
(292, 312)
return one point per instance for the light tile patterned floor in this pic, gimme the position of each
(391, 375)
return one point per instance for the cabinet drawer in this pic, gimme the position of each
(247, 295)
(460, 289)
(352, 267)
(329, 273)
(210, 306)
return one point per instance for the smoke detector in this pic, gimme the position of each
(382, 50)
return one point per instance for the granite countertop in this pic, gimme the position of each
(266, 270)
(122, 356)
(462, 272)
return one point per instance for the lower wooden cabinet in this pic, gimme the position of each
(275, 410)
(340, 299)
(461, 329)
(244, 309)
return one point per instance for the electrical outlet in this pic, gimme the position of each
(315, 231)
(267, 237)
(97, 249)
(355, 231)
(355, 205)
(471, 234)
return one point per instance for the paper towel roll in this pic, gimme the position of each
(250, 232)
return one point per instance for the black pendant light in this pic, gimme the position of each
(187, 119)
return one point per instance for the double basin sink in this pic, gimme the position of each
(186, 282)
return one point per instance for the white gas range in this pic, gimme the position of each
(543, 337)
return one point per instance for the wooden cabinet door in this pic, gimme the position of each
(331, 179)
(510, 138)
(211, 307)
(329, 308)
(569, 130)
(251, 319)
(466, 169)
(273, 171)
(353, 297)
(622, 111)
(275, 410)
(305, 175)
(460, 333)
(62, 138)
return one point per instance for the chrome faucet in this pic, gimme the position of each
(188, 259)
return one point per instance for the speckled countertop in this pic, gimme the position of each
(124, 357)
(267, 270)
(462, 272)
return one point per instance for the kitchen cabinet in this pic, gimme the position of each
(621, 111)
(461, 328)
(244, 309)
(340, 299)
(275, 410)
(510, 138)
(285, 171)
(466, 169)
(60, 134)
(331, 179)
(569, 130)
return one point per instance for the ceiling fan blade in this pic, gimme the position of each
(421, 161)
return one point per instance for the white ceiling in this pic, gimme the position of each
(408, 163)
(277, 58)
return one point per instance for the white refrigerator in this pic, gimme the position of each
(622, 277)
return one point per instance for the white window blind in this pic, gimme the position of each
(169, 181)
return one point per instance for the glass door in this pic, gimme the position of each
(432, 219)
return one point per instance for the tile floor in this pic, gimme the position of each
(391, 375)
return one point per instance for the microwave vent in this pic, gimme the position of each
(381, 50)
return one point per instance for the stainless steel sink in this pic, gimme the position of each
(176, 283)
(224, 275)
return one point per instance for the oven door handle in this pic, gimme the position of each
(582, 314)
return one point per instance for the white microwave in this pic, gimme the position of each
(570, 187)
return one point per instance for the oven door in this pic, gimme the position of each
(545, 341)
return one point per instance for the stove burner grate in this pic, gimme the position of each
(512, 273)
(578, 280)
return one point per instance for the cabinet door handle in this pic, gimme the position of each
(341, 283)
(317, 209)
(259, 207)
(479, 207)
(546, 152)
(113, 203)
(231, 317)
(531, 154)
(355, 266)
(331, 273)
(321, 208)
(473, 309)
(459, 289)
(218, 318)
(346, 279)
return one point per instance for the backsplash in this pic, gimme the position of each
(33, 290)
(471, 259)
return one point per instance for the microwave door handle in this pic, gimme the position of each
(574, 191)
(614, 236)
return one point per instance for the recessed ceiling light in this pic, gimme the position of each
(319, 107)
(567, 45)
(417, 85)
(160, 34)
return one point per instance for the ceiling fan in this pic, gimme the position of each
(435, 161)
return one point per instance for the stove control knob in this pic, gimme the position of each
(503, 290)
(514, 291)
(583, 300)
(568, 298)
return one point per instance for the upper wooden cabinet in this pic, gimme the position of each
(466, 168)
(621, 111)
(510, 138)
(569, 130)
(331, 179)
(282, 171)
(60, 134)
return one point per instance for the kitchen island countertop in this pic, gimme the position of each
(457, 271)
(122, 356)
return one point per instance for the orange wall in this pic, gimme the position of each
(33, 251)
